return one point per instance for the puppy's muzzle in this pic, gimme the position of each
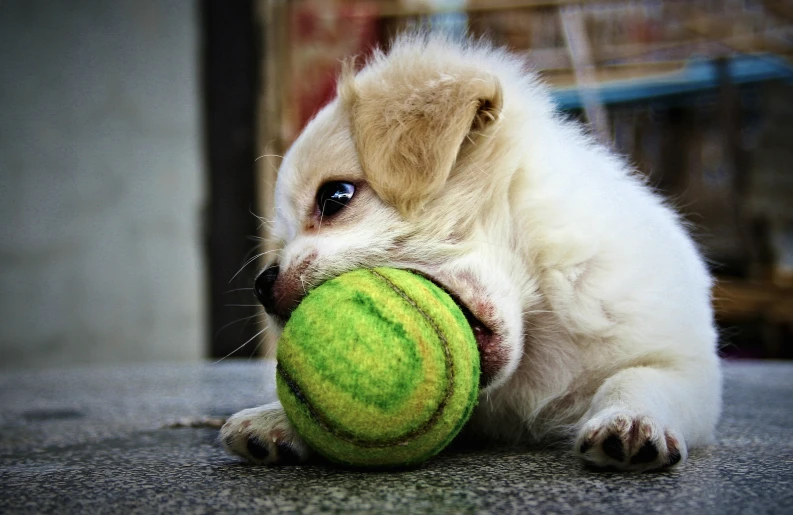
(279, 292)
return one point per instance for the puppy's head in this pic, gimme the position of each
(409, 167)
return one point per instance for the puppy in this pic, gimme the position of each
(590, 303)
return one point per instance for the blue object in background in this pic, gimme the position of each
(697, 76)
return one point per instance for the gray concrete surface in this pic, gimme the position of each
(95, 440)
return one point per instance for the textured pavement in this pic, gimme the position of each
(99, 440)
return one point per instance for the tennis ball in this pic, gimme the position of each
(378, 368)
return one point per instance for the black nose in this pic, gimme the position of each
(263, 287)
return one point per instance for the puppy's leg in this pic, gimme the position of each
(264, 436)
(643, 418)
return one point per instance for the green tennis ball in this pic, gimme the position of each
(378, 368)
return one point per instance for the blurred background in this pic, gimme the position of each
(139, 144)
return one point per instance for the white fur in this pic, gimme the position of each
(600, 296)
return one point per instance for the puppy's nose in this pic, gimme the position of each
(263, 287)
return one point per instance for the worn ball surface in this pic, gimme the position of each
(378, 368)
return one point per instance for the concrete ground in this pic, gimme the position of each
(101, 440)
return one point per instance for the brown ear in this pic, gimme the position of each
(408, 130)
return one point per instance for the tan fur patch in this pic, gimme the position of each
(409, 134)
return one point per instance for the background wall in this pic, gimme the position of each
(101, 182)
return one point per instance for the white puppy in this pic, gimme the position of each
(590, 303)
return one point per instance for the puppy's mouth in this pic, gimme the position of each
(485, 342)
(491, 354)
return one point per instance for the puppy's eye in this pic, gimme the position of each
(333, 196)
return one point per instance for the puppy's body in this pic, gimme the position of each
(593, 303)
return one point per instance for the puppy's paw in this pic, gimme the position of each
(629, 442)
(264, 436)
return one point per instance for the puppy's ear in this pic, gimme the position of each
(409, 128)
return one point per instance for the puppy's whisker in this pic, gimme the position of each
(255, 349)
(254, 249)
(258, 247)
(270, 352)
(263, 318)
(236, 289)
(251, 260)
(235, 322)
(263, 224)
(268, 155)
(321, 217)
(275, 169)
(241, 346)
(262, 219)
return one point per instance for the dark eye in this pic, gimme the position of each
(332, 196)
